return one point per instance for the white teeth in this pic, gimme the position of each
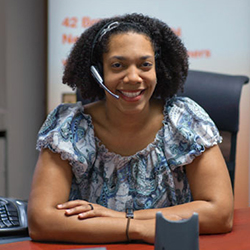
(131, 94)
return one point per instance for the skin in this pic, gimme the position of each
(129, 71)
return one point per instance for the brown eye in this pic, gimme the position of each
(147, 65)
(116, 65)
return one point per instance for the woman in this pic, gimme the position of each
(107, 167)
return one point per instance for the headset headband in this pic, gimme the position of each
(106, 28)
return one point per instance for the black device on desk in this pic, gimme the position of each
(13, 217)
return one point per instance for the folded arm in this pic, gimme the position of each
(211, 191)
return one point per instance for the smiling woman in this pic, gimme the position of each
(105, 169)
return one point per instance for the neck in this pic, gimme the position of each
(128, 121)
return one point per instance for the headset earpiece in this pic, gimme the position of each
(98, 78)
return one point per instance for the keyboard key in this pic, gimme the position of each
(11, 207)
(15, 223)
(7, 223)
(12, 213)
(13, 218)
(2, 209)
(2, 225)
(3, 215)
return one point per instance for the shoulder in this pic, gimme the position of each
(178, 107)
(64, 114)
(188, 130)
(184, 114)
(66, 129)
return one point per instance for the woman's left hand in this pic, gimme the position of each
(84, 209)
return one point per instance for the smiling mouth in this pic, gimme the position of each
(131, 94)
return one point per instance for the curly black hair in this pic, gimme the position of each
(171, 55)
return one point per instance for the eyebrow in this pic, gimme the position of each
(122, 58)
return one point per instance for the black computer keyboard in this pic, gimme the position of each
(13, 216)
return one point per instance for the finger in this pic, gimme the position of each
(71, 204)
(88, 214)
(91, 206)
(79, 209)
(76, 210)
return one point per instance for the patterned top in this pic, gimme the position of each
(152, 178)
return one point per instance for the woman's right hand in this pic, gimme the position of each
(83, 209)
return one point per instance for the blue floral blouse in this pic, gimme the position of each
(152, 178)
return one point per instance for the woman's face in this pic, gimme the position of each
(129, 71)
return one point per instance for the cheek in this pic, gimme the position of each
(154, 85)
(110, 80)
(153, 79)
(113, 79)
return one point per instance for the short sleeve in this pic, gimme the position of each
(188, 131)
(69, 132)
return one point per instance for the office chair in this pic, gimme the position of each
(219, 95)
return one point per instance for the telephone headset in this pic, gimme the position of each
(96, 68)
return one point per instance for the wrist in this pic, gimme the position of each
(135, 230)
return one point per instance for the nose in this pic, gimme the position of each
(132, 75)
